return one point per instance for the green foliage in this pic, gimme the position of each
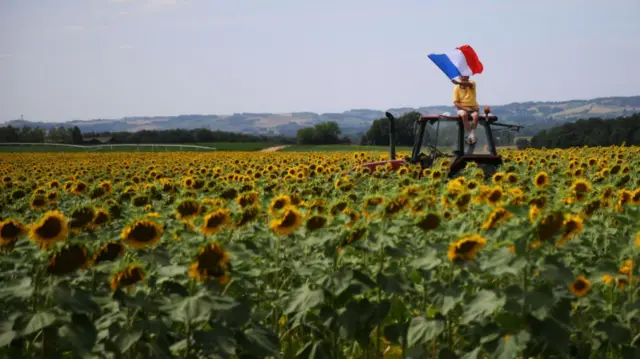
(591, 132)
(325, 133)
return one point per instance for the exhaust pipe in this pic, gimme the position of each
(392, 135)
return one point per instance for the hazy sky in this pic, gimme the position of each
(85, 59)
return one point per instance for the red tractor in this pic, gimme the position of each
(488, 162)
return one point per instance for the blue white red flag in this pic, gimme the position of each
(463, 61)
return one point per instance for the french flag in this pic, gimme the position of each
(463, 61)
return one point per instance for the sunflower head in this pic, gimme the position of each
(580, 287)
(108, 252)
(81, 217)
(10, 231)
(38, 201)
(428, 222)
(127, 277)
(497, 217)
(101, 217)
(51, 228)
(214, 221)
(67, 260)
(288, 222)
(352, 236)
(541, 179)
(466, 248)
(187, 209)
(211, 263)
(142, 233)
(247, 216)
(316, 222)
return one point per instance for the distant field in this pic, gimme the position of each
(218, 146)
(342, 148)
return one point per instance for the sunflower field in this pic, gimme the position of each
(294, 255)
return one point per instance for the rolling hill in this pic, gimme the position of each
(534, 115)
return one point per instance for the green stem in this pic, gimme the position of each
(334, 339)
(380, 269)
(276, 318)
(186, 354)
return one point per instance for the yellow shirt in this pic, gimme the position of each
(465, 96)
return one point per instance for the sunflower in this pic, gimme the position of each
(428, 222)
(462, 201)
(211, 263)
(549, 226)
(79, 188)
(497, 178)
(101, 217)
(624, 198)
(187, 209)
(247, 199)
(67, 260)
(142, 233)
(38, 201)
(316, 222)
(494, 196)
(354, 217)
(534, 212)
(466, 247)
(51, 228)
(127, 277)
(188, 181)
(229, 194)
(572, 225)
(497, 217)
(10, 231)
(580, 287)
(352, 236)
(247, 215)
(637, 241)
(215, 220)
(318, 206)
(81, 217)
(395, 205)
(109, 252)
(338, 207)
(541, 180)
(290, 220)
(512, 178)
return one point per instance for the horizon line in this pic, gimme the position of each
(308, 111)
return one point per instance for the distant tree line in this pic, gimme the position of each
(73, 135)
(591, 132)
(325, 133)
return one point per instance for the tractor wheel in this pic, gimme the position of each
(488, 170)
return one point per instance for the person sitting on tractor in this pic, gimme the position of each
(464, 98)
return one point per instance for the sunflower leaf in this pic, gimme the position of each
(304, 299)
(427, 261)
(260, 342)
(192, 309)
(511, 346)
(38, 322)
(422, 330)
(19, 288)
(484, 303)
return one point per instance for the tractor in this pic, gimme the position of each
(460, 156)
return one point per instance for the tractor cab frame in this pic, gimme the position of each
(460, 155)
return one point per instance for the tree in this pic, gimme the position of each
(522, 143)
(326, 133)
(76, 136)
(306, 135)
